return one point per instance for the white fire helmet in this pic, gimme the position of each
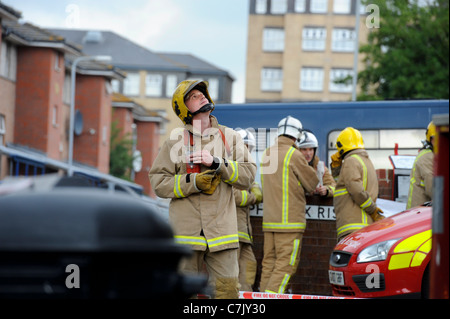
(290, 126)
(309, 141)
(248, 138)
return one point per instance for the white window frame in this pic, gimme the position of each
(278, 6)
(271, 79)
(2, 129)
(336, 74)
(132, 84)
(8, 61)
(171, 84)
(311, 79)
(300, 6)
(261, 7)
(342, 6)
(343, 40)
(213, 88)
(273, 40)
(314, 38)
(153, 85)
(318, 6)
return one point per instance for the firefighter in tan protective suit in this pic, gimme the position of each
(357, 186)
(286, 176)
(421, 178)
(245, 198)
(197, 168)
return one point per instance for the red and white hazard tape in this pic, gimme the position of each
(267, 295)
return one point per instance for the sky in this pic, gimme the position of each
(213, 30)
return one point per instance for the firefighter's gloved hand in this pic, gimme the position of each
(377, 214)
(256, 190)
(336, 160)
(214, 183)
(204, 179)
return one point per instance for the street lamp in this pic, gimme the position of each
(95, 58)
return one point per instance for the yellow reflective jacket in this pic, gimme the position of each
(200, 220)
(286, 176)
(421, 179)
(356, 193)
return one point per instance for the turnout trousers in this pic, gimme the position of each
(247, 266)
(222, 267)
(280, 261)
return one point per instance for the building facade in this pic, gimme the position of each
(298, 48)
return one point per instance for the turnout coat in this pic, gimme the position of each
(286, 176)
(356, 193)
(200, 220)
(421, 179)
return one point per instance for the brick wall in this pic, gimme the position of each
(385, 183)
(148, 144)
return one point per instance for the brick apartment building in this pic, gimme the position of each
(35, 86)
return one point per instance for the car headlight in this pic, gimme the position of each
(376, 252)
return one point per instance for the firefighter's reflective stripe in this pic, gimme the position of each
(290, 226)
(284, 283)
(177, 187)
(191, 240)
(244, 236)
(351, 227)
(294, 252)
(223, 240)
(340, 192)
(367, 203)
(234, 176)
(287, 160)
(412, 251)
(244, 198)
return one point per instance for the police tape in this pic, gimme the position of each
(268, 295)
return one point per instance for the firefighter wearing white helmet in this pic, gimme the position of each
(308, 146)
(285, 177)
(245, 199)
(197, 168)
(357, 186)
(421, 177)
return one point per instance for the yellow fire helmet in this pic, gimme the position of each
(349, 139)
(431, 131)
(178, 105)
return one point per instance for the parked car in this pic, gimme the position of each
(389, 258)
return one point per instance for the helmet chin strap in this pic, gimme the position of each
(205, 108)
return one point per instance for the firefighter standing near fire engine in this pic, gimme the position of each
(357, 185)
(421, 178)
(197, 168)
(308, 146)
(285, 177)
(245, 198)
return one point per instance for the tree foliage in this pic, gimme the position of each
(121, 157)
(407, 56)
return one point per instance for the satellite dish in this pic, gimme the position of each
(137, 161)
(78, 124)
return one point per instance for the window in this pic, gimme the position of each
(213, 88)
(153, 85)
(171, 85)
(314, 39)
(341, 6)
(300, 6)
(261, 6)
(338, 74)
(115, 84)
(2, 129)
(273, 40)
(278, 7)
(311, 79)
(343, 40)
(381, 143)
(271, 79)
(8, 61)
(131, 84)
(67, 89)
(319, 6)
